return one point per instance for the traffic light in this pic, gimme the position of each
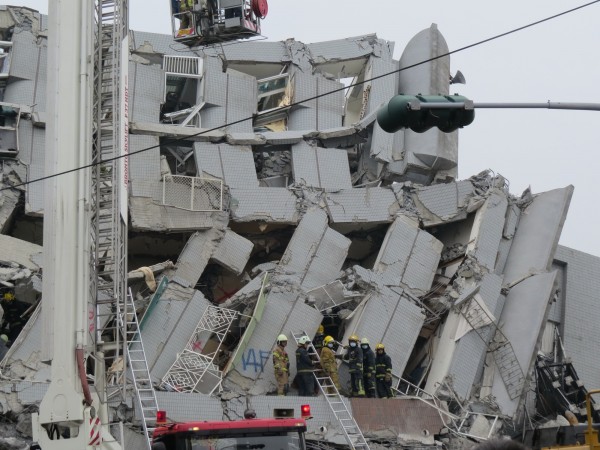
(422, 112)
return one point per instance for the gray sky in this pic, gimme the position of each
(556, 60)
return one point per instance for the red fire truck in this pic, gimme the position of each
(281, 432)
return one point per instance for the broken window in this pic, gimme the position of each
(178, 159)
(274, 95)
(9, 129)
(5, 47)
(356, 99)
(183, 91)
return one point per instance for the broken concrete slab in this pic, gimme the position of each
(371, 205)
(459, 357)
(195, 255)
(20, 252)
(147, 215)
(271, 205)
(284, 312)
(444, 202)
(176, 319)
(233, 251)
(322, 168)
(529, 299)
(487, 230)
(413, 419)
(177, 132)
(233, 164)
(537, 236)
(388, 317)
(315, 253)
(408, 256)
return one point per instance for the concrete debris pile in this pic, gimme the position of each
(303, 216)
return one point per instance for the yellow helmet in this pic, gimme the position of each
(380, 346)
(327, 340)
(364, 341)
(321, 329)
(282, 338)
(354, 338)
(9, 296)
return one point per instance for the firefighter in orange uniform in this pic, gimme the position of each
(185, 8)
(281, 364)
(328, 362)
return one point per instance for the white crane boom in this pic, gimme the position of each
(72, 415)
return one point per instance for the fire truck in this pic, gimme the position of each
(281, 432)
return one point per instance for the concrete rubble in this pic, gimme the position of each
(310, 215)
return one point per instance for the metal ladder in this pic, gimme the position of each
(108, 252)
(138, 366)
(336, 403)
(500, 347)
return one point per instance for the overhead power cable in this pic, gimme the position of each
(184, 138)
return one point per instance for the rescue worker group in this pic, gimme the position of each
(370, 372)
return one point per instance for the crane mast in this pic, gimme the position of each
(85, 223)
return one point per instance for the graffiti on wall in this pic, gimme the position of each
(253, 359)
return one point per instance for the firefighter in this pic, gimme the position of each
(368, 368)
(12, 322)
(383, 372)
(281, 364)
(355, 362)
(318, 340)
(305, 368)
(185, 9)
(328, 362)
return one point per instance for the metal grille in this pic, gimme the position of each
(193, 193)
(195, 369)
(500, 347)
(187, 65)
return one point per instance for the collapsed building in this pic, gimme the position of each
(265, 199)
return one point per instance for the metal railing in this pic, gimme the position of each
(193, 193)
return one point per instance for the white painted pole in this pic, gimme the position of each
(66, 221)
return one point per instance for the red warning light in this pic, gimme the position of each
(305, 412)
(161, 417)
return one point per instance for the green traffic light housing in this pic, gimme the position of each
(422, 112)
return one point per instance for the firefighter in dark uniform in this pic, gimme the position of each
(305, 367)
(318, 340)
(354, 357)
(383, 372)
(368, 368)
(12, 322)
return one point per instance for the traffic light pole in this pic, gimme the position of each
(450, 112)
(417, 105)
